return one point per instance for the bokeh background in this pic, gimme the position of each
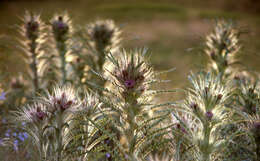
(173, 30)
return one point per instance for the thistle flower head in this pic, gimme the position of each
(207, 93)
(104, 34)
(32, 25)
(131, 72)
(35, 113)
(222, 45)
(61, 24)
(63, 98)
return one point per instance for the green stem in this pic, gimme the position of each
(34, 65)
(100, 64)
(62, 52)
(59, 135)
(206, 149)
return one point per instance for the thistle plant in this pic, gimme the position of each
(130, 109)
(119, 118)
(104, 38)
(180, 145)
(47, 120)
(247, 106)
(206, 103)
(81, 137)
(34, 116)
(90, 47)
(222, 46)
(33, 41)
(61, 30)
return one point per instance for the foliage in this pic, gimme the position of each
(83, 97)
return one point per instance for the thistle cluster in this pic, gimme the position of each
(118, 117)
(222, 46)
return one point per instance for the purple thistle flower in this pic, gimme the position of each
(209, 115)
(129, 84)
(37, 114)
(40, 115)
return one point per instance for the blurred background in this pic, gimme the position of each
(173, 30)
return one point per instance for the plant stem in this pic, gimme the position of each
(62, 52)
(205, 150)
(34, 65)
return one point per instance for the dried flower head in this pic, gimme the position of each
(131, 72)
(104, 34)
(222, 45)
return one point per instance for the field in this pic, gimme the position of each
(174, 33)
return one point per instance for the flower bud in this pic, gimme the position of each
(209, 115)
(194, 106)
